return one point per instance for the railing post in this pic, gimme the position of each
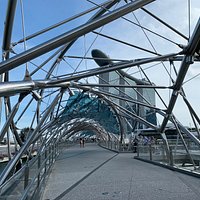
(49, 155)
(138, 150)
(57, 149)
(39, 164)
(26, 176)
(171, 160)
(150, 152)
(52, 153)
(56, 152)
(45, 163)
(163, 152)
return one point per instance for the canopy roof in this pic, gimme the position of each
(82, 105)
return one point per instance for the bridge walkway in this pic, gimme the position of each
(94, 173)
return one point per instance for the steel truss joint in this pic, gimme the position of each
(189, 59)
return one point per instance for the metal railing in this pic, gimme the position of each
(28, 182)
(177, 156)
(117, 146)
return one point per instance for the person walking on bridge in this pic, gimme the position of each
(82, 142)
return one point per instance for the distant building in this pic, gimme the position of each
(120, 77)
(148, 94)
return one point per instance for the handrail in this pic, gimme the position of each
(44, 161)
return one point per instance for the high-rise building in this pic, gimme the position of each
(139, 94)
(119, 77)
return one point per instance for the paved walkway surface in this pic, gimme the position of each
(93, 173)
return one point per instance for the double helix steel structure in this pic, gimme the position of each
(113, 68)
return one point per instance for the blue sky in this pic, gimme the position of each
(40, 14)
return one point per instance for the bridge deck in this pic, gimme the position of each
(93, 173)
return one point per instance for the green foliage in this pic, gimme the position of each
(25, 132)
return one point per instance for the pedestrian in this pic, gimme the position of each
(81, 142)
(135, 145)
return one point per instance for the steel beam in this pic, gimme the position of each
(129, 100)
(24, 86)
(15, 87)
(8, 27)
(166, 24)
(70, 36)
(62, 22)
(194, 42)
(8, 121)
(24, 148)
(192, 47)
(124, 86)
(115, 67)
(137, 118)
(68, 45)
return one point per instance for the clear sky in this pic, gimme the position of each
(40, 14)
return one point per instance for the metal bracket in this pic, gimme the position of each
(190, 60)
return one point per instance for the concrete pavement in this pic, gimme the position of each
(93, 173)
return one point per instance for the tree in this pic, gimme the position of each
(24, 133)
